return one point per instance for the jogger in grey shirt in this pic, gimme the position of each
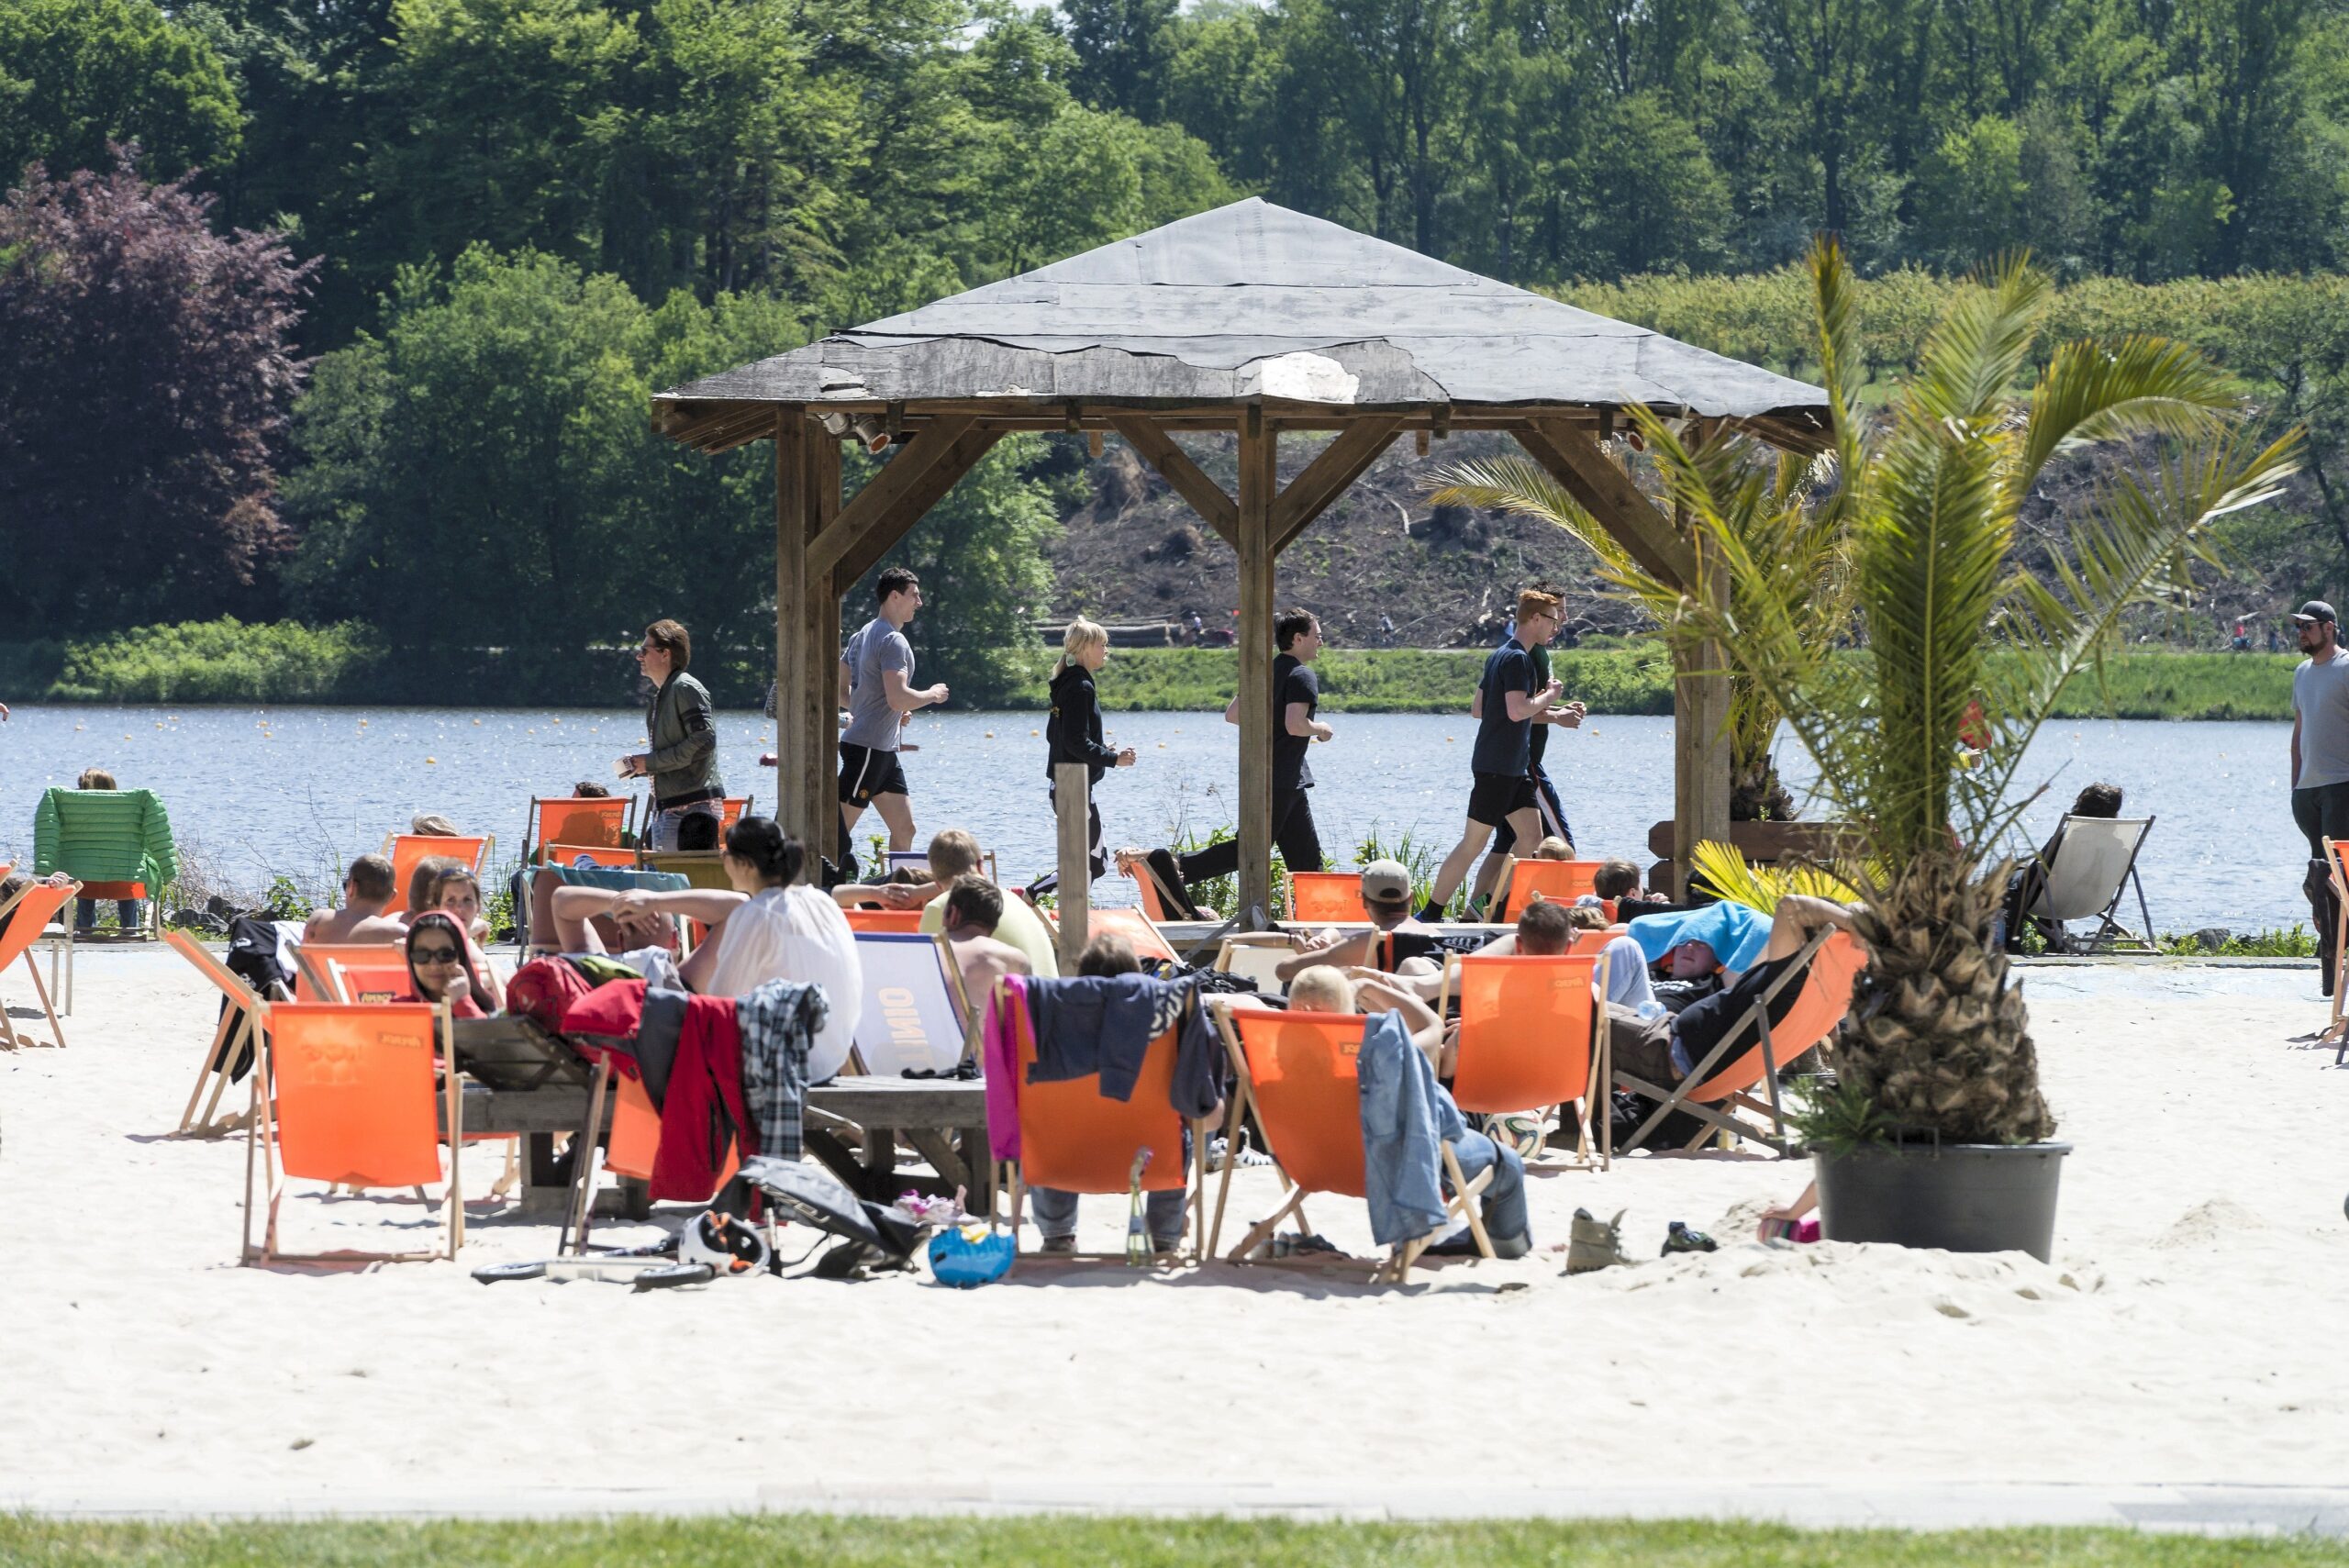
(875, 671)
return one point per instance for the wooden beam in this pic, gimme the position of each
(1700, 698)
(821, 632)
(1158, 449)
(1072, 794)
(912, 501)
(797, 693)
(1259, 452)
(1326, 478)
(1606, 493)
(880, 502)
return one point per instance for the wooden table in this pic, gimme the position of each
(929, 1112)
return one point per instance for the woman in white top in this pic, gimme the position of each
(771, 927)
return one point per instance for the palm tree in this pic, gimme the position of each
(1926, 503)
(1765, 497)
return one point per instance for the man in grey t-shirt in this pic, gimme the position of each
(876, 672)
(2321, 763)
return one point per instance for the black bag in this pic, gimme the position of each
(870, 1234)
(2324, 912)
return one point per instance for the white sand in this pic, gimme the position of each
(2188, 1330)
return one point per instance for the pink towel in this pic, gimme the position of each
(1007, 1018)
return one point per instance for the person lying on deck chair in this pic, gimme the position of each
(1387, 897)
(1666, 1048)
(973, 909)
(366, 889)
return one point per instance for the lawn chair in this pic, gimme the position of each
(1824, 968)
(315, 963)
(1560, 882)
(605, 821)
(115, 843)
(1148, 943)
(1254, 956)
(2094, 865)
(899, 922)
(1532, 1029)
(1327, 897)
(914, 1015)
(1585, 943)
(701, 868)
(1076, 1140)
(1297, 1070)
(237, 1037)
(345, 1094)
(406, 849)
(28, 914)
(612, 855)
(731, 808)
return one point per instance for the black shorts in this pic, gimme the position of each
(1498, 795)
(865, 772)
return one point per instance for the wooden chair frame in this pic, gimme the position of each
(1396, 1266)
(260, 1150)
(1735, 1038)
(9, 1034)
(534, 842)
(2336, 860)
(241, 1026)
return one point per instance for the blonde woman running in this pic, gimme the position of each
(1073, 734)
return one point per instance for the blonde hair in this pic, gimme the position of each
(954, 852)
(1323, 988)
(1081, 635)
(1553, 848)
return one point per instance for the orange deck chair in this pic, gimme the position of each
(2336, 856)
(1075, 1139)
(594, 854)
(239, 1031)
(349, 972)
(1149, 942)
(899, 920)
(1585, 943)
(731, 808)
(1531, 1031)
(28, 914)
(1298, 1071)
(1327, 896)
(600, 821)
(1560, 882)
(347, 1094)
(1824, 968)
(406, 850)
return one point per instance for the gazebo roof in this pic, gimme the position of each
(1253, 302)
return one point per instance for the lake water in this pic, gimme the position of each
(298, 790)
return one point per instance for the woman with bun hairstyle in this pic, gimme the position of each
(772, 926)
(1072, 733)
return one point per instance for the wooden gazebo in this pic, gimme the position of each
(1251, 320)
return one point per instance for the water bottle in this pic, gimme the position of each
(1138, 1253)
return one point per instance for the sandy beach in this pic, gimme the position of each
(2184, 1332)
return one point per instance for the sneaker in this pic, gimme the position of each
(1061, 1244)
(1595, 1244)
(1680, 1239)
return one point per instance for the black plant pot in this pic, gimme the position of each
(1963, 1198)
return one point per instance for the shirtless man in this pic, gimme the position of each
(973, 905)
(366, 888)
(648, 938)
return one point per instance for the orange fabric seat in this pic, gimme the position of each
(731, 809)
(598, 820)
(347, 1094)
(1585, 943)
(1073, 1138)
(1560, 882)
(1326, 895)
(406, 850)
(899, 920)
(1533, 1030)
(595, 854)
(1136, 928)
(117, 890)
(1825, 997)
(376, 970)
(28, 913)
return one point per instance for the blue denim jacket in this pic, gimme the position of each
(1407, 1116)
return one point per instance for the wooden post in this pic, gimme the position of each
(821, 632)
(1259, 447)
(801, 806)
(1072, 798)
(1700, 728)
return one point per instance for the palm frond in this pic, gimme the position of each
(2096, 392)
(1759, 887)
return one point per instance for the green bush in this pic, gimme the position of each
(217, 661)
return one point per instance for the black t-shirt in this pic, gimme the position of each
(1538, 741)
(1293, 680)
(1698, 1026)
(1504, 745)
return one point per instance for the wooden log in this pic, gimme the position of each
(865, 552)
(1700, 730)
(798, 691)
(1072, 799)
(819, 634)
(1606, 493)
(1326, 478)
(1175, 465)
(879, 503)
(1259, 452)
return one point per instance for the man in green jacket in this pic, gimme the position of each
(683, 761)
(97, 833)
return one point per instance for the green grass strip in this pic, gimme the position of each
(831, 1541)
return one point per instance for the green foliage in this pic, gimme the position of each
(77, 75)
(1378, 680)
(217, 660)
(2298, 943)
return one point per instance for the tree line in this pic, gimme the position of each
(457, 242)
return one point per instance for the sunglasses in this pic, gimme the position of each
(435, 955)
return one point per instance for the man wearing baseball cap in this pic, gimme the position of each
(2320, 760)
(1386, 895)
